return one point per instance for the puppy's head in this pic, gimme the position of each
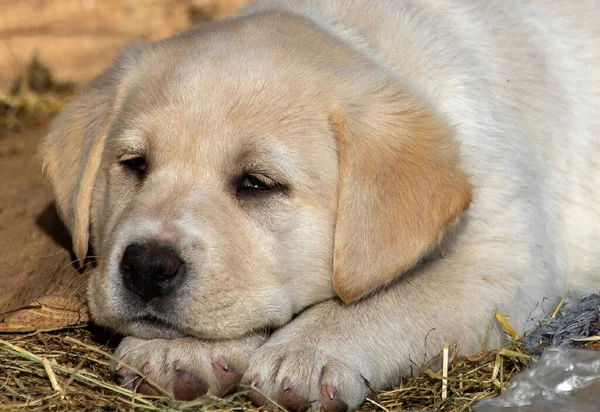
(231, 176)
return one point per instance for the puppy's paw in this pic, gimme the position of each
(303, 374)
(183, 368)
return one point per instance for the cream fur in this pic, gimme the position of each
(440, 157)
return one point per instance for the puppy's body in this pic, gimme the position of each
(527, 75)
(437, 157)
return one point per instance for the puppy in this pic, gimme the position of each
(297, 197)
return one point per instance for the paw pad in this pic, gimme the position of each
(226, 375)
(187, 386)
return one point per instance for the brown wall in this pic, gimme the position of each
(77, 38)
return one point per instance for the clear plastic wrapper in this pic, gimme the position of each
(562, 379)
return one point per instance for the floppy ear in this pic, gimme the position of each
(400, 189)
(72, 150)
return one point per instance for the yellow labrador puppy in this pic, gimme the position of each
(295, 198)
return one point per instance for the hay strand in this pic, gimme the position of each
(51, 375)
(445, 373)
(504, 322)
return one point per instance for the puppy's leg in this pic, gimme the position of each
(184, 368)
(333, 354)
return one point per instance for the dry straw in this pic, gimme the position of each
(68, 370)
(35, 96)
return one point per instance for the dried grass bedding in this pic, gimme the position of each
(68, 370)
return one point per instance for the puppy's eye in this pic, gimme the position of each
(254, 184)
(136, 165)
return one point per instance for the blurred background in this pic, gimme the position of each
(75, 39)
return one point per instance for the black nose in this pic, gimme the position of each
(150, 269)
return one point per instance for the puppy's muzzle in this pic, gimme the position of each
(151, 270)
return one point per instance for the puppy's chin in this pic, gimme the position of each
(153, 328)
(148, 328)
(150, 322)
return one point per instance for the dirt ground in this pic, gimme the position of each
(34, 245)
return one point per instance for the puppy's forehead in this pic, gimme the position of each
(192, 97)
(189, 112)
